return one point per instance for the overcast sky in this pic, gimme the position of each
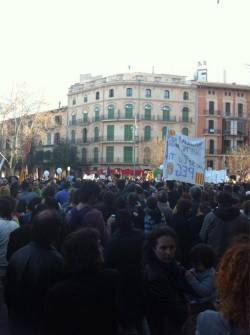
(49, 43)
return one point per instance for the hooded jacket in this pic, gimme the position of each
(221, 226)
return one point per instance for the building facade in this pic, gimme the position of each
(114, 120)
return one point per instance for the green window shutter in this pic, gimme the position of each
(129, 111)
(111, 112)
(97, 114)
(128, 132)
(147, 133)
(85, 117)
(110, 154)
(166, 113)
(96, 154)
(185, 115)
(164, 132)
(110, 132)
(185, 131)
(128, 154)
(96, 134)
(147, 113)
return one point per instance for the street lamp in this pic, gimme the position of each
(134, 141)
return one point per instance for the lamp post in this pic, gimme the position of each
(134, 141)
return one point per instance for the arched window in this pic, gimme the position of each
(147, 112)
(96, 155)
(185, 131)
(148, 93)
(97, 113)
(147, 133)
(84, 155)
(129, 111)
(85, 117)
(185, 114)
(111, 111)
(73, 137)
(165, 113)
(73, 119)
(147, 156)
(48, 138)
(211, 146)
(166, 94)
(57, 138)
(185, 95)
(129, 92)
(96, 134)
(164, 132)
(84, 135)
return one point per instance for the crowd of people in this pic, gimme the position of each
(124, 257)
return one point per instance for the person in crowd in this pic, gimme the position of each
(153, 217)
(32, 270)
(163, 206)
(246, 209)
(223, 224)
(27, 193)
(136, 210)
(233, 316)
(180, 224)
(36, 188)
(173, 195)
(165, 304)
(85, 302)
(84, 214)
(107, 206)
(124, 253)
(63, 195)
(195, 193)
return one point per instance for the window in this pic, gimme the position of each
(85, 117)
(128, 154)
(211, 126)
(185, 114)
(211, 107)
(147, 133)
(97, 113)
(111, 93)
(147, 156)
(58, 119)
(242, 95)
(164, 132)
(110, 132)
(48, 138)
(227, 108)
(166, 94)
(213, 92)
(57, 138)
(96, 155)
(129, 111)
(73, 137)
(229, 93)
(111, 111)
(209, 92)
(84, 155)
(148, 93)
(84, 135)
(73, 119)
(185, 95)
(210, 163)
(240, 110)
(185, 131)
(97, 95)
(73, 101)
(96, 134)
(128, 132)
(211, 146)
(47, 155)
(85, 98)
(166, 113)
(147, 112)
(109, 154)
(129, 92)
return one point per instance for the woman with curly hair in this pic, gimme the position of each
(233, 285)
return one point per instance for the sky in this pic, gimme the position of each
(47, 44)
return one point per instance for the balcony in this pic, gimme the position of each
(232, 132)
(79, 122)
(185, 120)
(211, 113)
(214, 152)
(107, 139)
(166, 119)
(211, 131)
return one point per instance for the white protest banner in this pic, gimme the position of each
(2, 160)
(215, 176)
(184, 159)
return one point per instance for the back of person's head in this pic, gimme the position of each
(49, 191)
(89, 192)
(227, 188)
(33, 203)
(25, 185)
(132, 199)
(5, 208)
(46, 227)
(184, 206)
(171, 185)
(108, 198)
(120, 183)
(204, 254)
(82, 251)
(233, 284)
(121, 203)
(151, 202)
(246, 207)
(162, 196)
(124, 220)
(51, 203)
(225, 199)
(204, 207)
(195, 192)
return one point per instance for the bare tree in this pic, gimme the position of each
(21, 122)
(239, 162)
(153, 152)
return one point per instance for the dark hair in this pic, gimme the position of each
(152, 202)
(81, 251)
(51, 203)
(132, 198)
(225, 199)
(21, 206)
(195, 192)
(204, 254)
(120, 184)
(152, 239)
(33, 203)
(88, 189)
(162, 196)
(124, 219)
(246, 207)
(183, 206)
(5, 208)
(49, 191)
(46, 227)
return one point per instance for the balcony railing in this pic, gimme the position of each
(79, 122)
(185, 120)
(208, 112)
(230, 132)
(213, 152)
(211, 131)
(166, 119)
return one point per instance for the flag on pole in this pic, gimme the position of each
(2, 161)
